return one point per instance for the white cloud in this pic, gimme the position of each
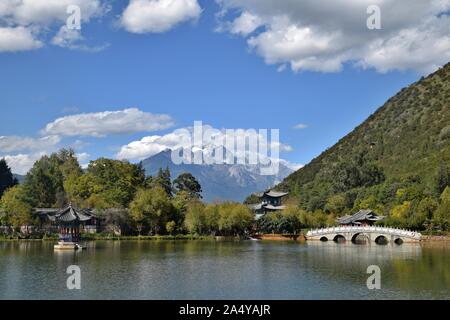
(17, 39)
(183, 138)
(67, 37)
(324, 35)
(156, 16)
(78, 145)
(83, 159)
(46, 12)
(21, 163)
(101, 124)
(424, 48)
(17, 143)
(301, 126)
(292, 166)
(35, 148)
(245, 24)
(72, 39)
(24, 22)
(151, 145)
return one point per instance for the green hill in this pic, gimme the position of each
(398, 157)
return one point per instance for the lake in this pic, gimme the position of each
(224, 270)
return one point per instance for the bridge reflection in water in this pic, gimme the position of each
(369, 233)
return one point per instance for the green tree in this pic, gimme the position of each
(163, 179)
(45, 181)
(171, 227)
(7, 179)
(442, 215)
(292, 216)
(16, 204)
(443, 178)
(399, 214)
(151, 208)
(181, 202)
(234, 219)
(336, 204)
(423, 213)
(106, 184)
(211, 218)
(195, 221)
(187, 182)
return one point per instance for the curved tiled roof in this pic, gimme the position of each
(276, 194)
(360, 216)
(70, 214)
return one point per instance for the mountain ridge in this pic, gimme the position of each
(407, 138)
(219, 181)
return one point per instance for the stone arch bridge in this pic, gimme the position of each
(372, 234)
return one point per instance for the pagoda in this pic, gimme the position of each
(69, 220)
(271, 201)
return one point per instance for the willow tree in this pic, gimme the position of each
(151, 208)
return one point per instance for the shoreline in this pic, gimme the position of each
(261, 237)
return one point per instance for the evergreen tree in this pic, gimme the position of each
(164, 180)
(187, 182)
(7, 179)
(443, 178)
(442, 215)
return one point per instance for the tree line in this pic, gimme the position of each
(128, 201)
(348, 186)
(123, 197)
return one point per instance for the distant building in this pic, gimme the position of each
(361, 218)
(68, 222)
(271, 201)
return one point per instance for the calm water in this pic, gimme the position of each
(224, 270)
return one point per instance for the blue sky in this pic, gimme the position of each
(192, 71)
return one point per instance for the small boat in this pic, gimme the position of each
(62, 245)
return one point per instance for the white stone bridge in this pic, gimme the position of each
(371, 234)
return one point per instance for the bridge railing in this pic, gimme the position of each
(368, 229)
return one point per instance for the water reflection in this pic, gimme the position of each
(223, 270)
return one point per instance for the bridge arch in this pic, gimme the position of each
(339, 238)
(381, 239)
(360, 238)
(364, 233)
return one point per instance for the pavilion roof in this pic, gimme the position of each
(362, 215)
(271, 194)
(276, 194)
(70, 214)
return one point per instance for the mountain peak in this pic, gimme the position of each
(219, 181)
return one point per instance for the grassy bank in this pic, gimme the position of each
(106, 236)
(15, 237)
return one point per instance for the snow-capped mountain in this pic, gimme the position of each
(220, 181)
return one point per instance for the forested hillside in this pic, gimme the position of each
(397, 162)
